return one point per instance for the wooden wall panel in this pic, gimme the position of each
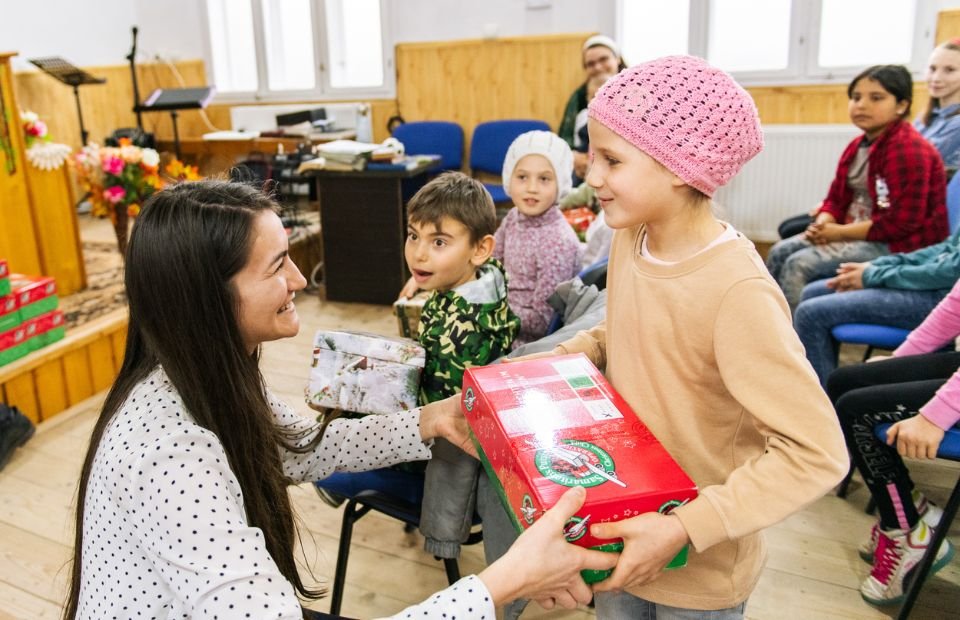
(472, 81)
(51, 388)
(57, 230)
(77, 375)
(948, 25)
(103, 368)
(21, 392)
(16, 216)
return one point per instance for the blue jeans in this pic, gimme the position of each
(821, 309)
(621, 605)
(795, 261)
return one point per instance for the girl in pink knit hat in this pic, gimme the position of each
(698, 340)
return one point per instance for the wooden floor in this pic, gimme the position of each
(813, 569)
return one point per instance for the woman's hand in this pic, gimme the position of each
(650, 541)
(849, 277)
(409, 289)
(444, 418)
(543, 566)
(916, 438)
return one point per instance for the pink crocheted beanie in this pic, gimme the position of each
(691, 117)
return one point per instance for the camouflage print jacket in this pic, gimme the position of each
(470, 325)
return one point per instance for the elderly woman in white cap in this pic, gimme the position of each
(600, 56)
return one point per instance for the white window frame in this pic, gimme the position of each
(323, 90)
(803, 53)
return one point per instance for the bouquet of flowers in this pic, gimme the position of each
(34, 129)
(117, 181)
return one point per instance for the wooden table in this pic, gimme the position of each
(213, 156)
(363, 221)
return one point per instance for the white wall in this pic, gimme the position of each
(443, 20)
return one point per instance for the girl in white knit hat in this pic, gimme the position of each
(537, 246)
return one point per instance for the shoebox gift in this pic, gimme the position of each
(45, 329)
(364, 373)
(9, 312)
(545, 425)
(14, 344)
(35, 295)
(408, 313)
(4, 277)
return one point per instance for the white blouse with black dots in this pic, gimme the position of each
(164, 529)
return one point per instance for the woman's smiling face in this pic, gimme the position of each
(267, 284)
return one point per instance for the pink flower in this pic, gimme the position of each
(113, 165)
(114, 194)
(37, 128)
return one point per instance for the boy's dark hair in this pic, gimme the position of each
(895, 79)
(457, 196)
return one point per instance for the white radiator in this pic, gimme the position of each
(790, 175)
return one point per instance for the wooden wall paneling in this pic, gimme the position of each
(16, 219)
(58, 235)
(118, 341)
(51, 388)
(21, 392)
(103, 369)
(77, 376)
(476, 80)
(948, 25)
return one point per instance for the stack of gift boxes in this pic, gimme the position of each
(29, 319)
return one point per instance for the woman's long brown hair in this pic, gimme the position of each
(186, 245)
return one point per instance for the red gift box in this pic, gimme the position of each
(545, 425)
(579, 218)
(30, 289)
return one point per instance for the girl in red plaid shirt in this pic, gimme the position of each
(888, 195)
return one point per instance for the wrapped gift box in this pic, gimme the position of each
(45, 329)
(14, 344)
(408, 312)
(579, 219)
(4, 277)
(548, 424)
(9, 312)
(35, 295)
(364, 373)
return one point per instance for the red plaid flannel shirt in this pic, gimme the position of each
(916, 179)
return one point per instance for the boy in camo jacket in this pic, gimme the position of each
(465, 322)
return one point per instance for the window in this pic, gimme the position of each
(278, 49)
(781, 41)
(749, 35)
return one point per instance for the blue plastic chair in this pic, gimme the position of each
(489, 145)
(392, 492)
(885, 336)
(441, 138)
(950, 450)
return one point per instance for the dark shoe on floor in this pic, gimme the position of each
(15, 430)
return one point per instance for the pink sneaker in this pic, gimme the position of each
(929, 512)
(898, 553)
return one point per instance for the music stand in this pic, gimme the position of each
(71, 76)
(174, 99)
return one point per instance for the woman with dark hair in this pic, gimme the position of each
(183, 508)
(888, 194)
(600, 56)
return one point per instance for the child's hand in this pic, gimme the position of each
(849, 277)
(444, 418)
(409, 289)
(650, 541)
(917, 437)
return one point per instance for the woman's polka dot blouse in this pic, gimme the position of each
(164, 529)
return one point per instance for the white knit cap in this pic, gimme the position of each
(599, 39)
(547, 144)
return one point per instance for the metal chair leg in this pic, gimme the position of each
(453, 570)
(351, 514)
(923, 569)
(845, 483)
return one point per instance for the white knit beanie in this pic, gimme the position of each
(599, 39)
(546, 144)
